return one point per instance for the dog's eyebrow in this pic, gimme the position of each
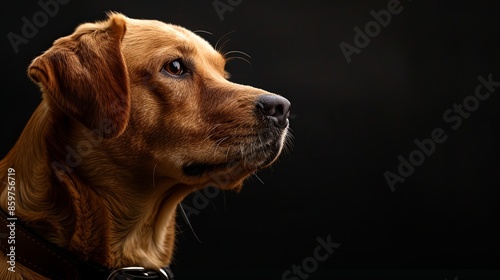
(186, 48)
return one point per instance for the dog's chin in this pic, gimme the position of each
(242, 165)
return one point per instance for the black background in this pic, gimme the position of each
(350, 123)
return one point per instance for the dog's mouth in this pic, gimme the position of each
(198, 168)
(245, 159)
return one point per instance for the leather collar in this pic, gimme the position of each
(22, 246)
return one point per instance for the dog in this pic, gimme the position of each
(135, 115)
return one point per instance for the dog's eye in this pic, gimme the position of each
(174, 67)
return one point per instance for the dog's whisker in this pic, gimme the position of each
(257, 176)
(214, 127)
(240, 52)
(238, 57)
(205, 139)
(216, 44)
(218, 41)
(227, 152)
(223, 44)
(211, 202)
(179, 228)
(188, 222)
(210, 135)
(203, 31)
(242, 151)
(260, 140)
(218, 143)
(288, 143)
(154, 170)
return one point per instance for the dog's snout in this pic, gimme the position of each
(275, 107)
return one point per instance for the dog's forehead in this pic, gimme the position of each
(156, 34)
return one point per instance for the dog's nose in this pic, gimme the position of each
(275, 107)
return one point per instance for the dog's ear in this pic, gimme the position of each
(85, 75)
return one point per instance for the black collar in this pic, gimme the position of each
(24, 247)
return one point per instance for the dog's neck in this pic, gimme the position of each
(63, 196)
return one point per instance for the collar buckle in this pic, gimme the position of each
(139, 273)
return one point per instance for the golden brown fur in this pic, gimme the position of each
(99, 166)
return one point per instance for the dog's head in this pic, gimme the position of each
(162, 93)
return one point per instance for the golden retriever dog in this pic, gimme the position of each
(135, 115)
